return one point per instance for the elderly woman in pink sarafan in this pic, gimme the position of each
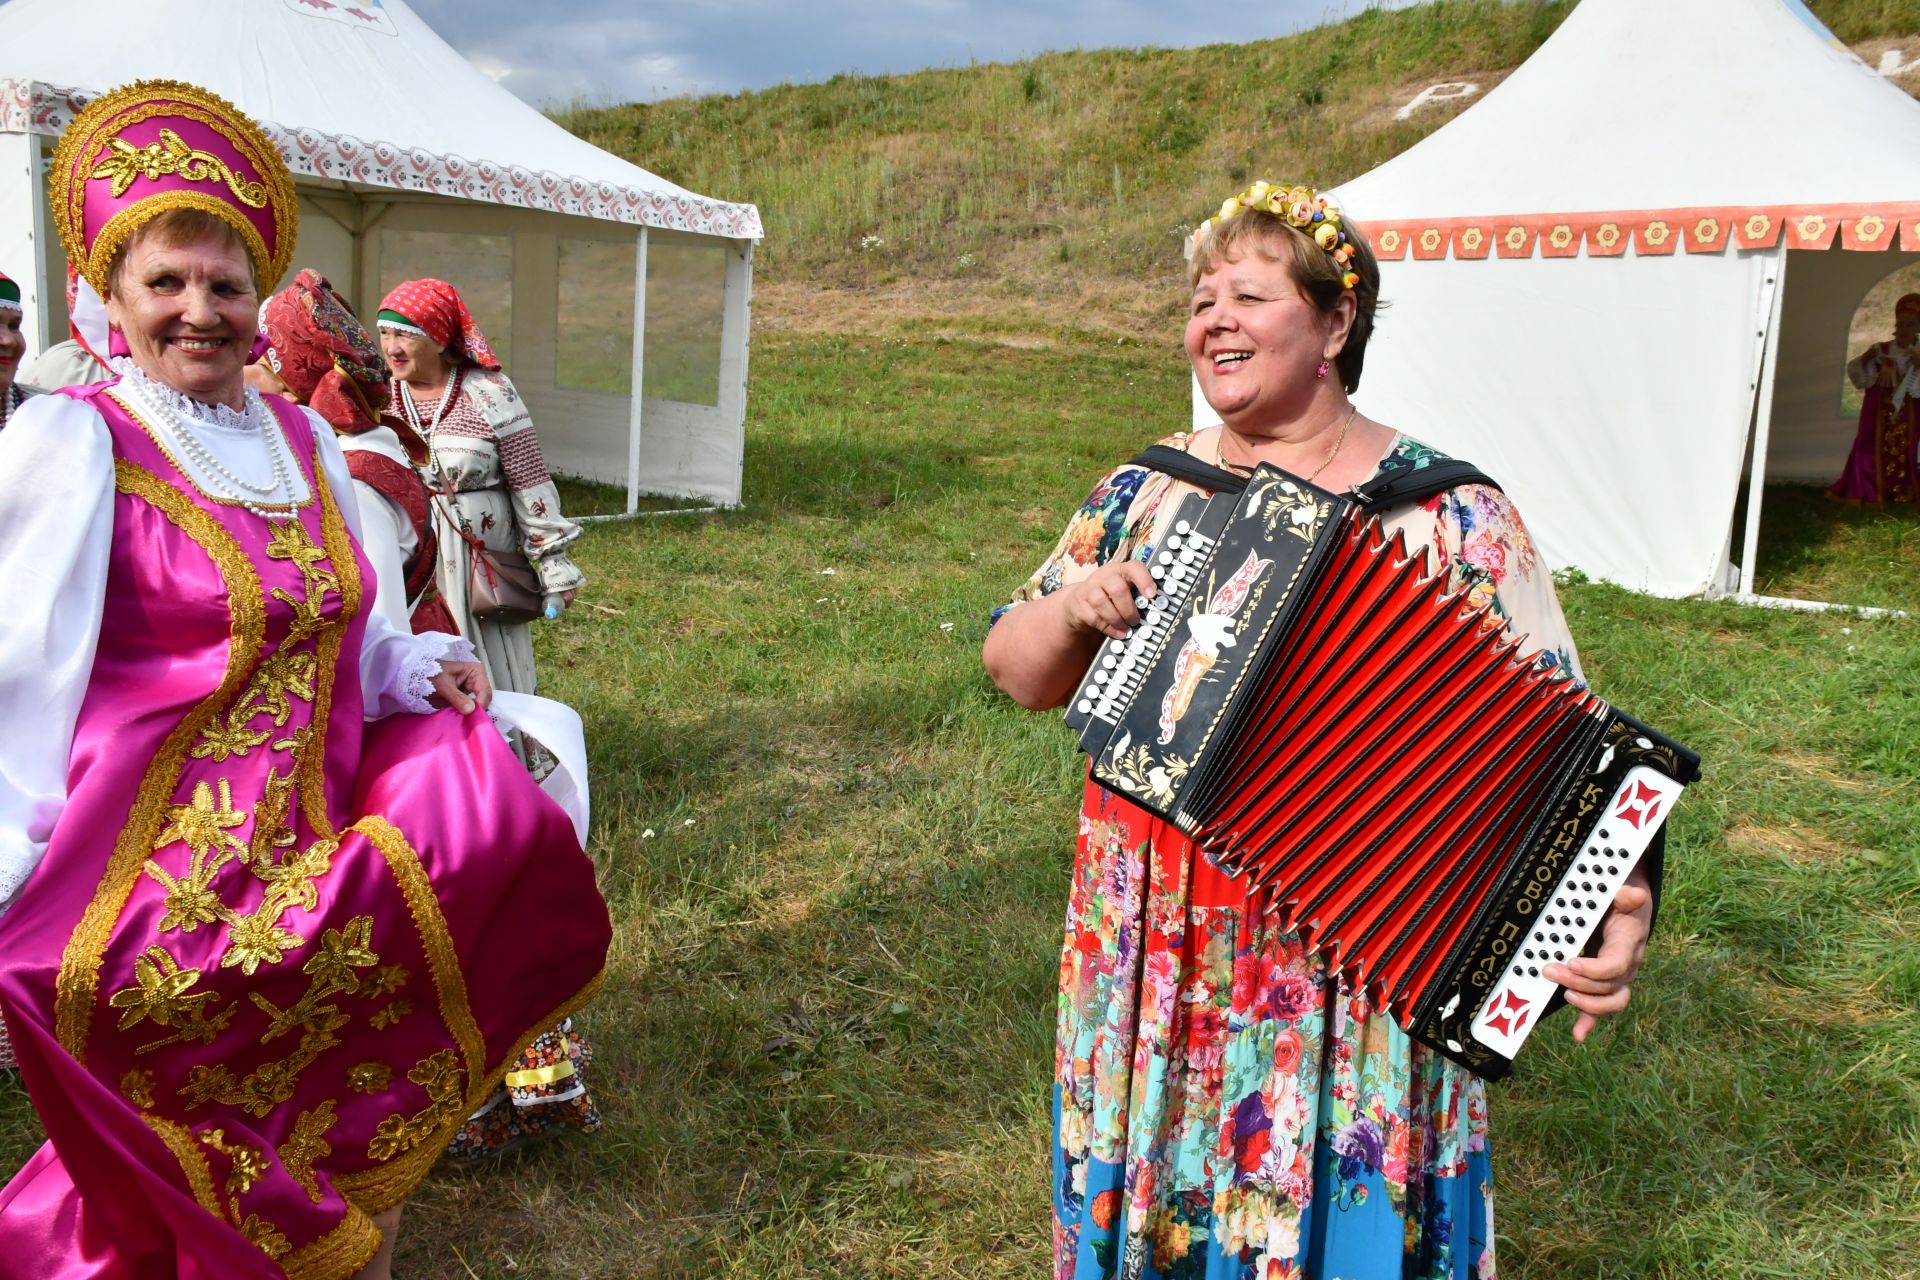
(257, 974)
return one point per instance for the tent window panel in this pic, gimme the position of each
(595, 316)
(480, 267)
(686, 300)
(1873, 322)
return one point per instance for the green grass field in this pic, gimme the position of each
(826, 1041)
(837, 858)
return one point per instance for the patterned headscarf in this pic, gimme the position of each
(9, 294)
(434, 309)
(326, 357)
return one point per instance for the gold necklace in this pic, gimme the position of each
(1338, 440)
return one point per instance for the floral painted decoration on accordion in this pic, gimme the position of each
(1298, 206)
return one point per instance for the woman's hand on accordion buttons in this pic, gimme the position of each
(1104, 603)
(1599, 984)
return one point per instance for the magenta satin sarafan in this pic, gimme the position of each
(275, 954)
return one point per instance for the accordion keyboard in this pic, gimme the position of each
(1114, 677)
(1568, 917)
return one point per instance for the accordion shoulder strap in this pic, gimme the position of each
(1411, 484)
(1388, 489)
(1182, 465)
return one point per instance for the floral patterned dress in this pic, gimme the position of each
(1223, 1108)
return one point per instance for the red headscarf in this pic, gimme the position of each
(436, 309)
(326, 357)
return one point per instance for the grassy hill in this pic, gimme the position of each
(1084, 165)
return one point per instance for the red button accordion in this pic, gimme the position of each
(1438, 816)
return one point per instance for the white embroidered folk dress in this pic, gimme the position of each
(486, 456)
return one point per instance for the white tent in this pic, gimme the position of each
(411, 162)
(1632, 266)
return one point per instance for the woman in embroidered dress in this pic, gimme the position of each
(1223, 1107)
(318, 354)
(256, 972)
(489, 480)
(1884, 464)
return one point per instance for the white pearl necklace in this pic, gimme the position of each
(8, 402)
(407, 406)
(426, 431)
(244, 492)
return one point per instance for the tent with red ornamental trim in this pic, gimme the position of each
(1629, 271)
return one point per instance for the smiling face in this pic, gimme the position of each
(1256, 342)
(414, 358)
(13, 345)
(188, 312)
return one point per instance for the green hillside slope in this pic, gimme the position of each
(1005, 172)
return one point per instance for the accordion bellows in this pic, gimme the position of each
(1282, 703)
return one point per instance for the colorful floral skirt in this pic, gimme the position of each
(1223, 1108)
(545, 1091)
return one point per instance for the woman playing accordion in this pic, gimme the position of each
(1224, 1104)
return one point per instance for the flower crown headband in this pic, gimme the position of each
(1300, 207)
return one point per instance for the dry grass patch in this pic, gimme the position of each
(1826, 769)
(1796, 844)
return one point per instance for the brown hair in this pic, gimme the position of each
(176, 227)
(1313, 270)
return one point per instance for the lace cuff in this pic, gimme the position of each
(415, 685)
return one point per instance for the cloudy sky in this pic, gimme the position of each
(621, 51)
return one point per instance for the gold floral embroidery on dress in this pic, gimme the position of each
(307, 1145)
(340, 555)
(389, 1015)
(168, 157)
(137, 1087)
(160, 993)
(332, 970)
(442, 964)
(384, 981)
(246, 1163)
(263, 1237)
(445, 1083)
(370, 1077)
(205, 826)
(291, 672)
(79, 968)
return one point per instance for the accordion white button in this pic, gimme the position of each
(1612, 850)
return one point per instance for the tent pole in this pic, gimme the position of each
(1763, 417)
(634, 413)
(735, 339)
(42, 293)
